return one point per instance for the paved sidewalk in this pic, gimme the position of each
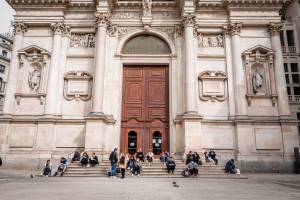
(15, 185)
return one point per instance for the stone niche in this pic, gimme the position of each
(259, 70)
(78, 85)
(32, 78)
(212, 86)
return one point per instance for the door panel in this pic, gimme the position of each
(145, 105)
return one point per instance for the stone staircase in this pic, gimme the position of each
(156, 169)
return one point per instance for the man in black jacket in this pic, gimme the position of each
(113, 157)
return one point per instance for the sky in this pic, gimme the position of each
(6, 17)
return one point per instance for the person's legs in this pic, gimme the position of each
(123, 172)
(216, 161)
(113, 169)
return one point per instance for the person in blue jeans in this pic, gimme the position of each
(113, 157)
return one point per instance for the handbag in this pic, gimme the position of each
(118, 170)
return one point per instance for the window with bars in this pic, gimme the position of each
(2, 68)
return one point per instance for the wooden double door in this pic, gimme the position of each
(145, 109)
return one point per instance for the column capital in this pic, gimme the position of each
(233, 29)
(274, 28)
(58, 28)
(103, 18)
(188, 19)
(19, 27)
(66, 31)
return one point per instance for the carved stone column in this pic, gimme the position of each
(102, 20)
(19, 30)
(53, 73)
(283, 102)
(238, 71)
(63, 59)
(190, 79)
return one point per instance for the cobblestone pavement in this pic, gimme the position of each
(15, 185)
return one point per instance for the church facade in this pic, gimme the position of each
(158, 75)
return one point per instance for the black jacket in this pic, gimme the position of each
(113, 157)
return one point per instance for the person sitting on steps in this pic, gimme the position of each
(93, 160)
(47, 169)
(76, 156)
(230, 167)
(131, 163)
(193, 168)
(212, 155)
(149, 157)
(137, 168)
(140, 155)
(84, 159)
(171, 165)
(62, 166)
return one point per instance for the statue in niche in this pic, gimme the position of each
(34, 80)
(147, 4)
(257, 80)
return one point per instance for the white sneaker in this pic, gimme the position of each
(138, 175)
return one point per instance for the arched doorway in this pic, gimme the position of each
(145, 97)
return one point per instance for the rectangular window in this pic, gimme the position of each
(296, 90)
(290, 38)
(294, 67)
(287, 80)
(286, 67)
(281, 38)
(288, 90)
(295, 78)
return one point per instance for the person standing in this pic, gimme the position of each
(122, 165)
(113, 157)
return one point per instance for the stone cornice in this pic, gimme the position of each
(37, 2)
(255, 2)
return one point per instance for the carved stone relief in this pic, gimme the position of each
(33, 65)
(210, 40)
(259, 70)
(82, 40)
(78, 85)
(212, 86)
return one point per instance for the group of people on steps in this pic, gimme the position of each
(133, 163)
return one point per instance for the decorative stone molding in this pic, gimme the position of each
(188, 19)
(78, 85)
(19, 27)
(147, 8)
(67, 31)
(178, 31)
(233, 29)
(212, 86)
(58, 27)
(274, 28)
(112, 30)
(260, 76)
(34, 63)
(210, 40)
(82, 40)
(103, 18)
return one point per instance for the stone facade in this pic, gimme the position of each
(5, 53)
(226, 89)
